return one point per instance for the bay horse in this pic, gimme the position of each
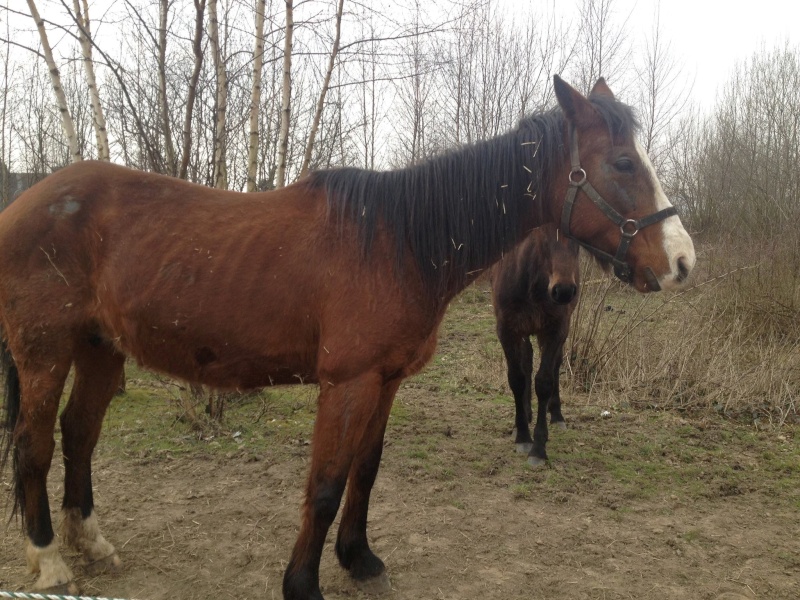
(534, 293)
(340, 279)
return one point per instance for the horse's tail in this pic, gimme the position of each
(12, 405)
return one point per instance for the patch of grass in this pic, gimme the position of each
(446, 474)
(148, 420)
(503, 400)
(418, 454)
(692, 535)
(522, 491)
(400, 415)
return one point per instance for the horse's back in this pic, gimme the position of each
(148, 260)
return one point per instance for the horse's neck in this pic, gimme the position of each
(531, 216)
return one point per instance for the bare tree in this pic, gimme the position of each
(323, 92)
(418, 101)
(66, 119)
(191, 94)
(663, 94)
(169, 146)
(255, 98)
(5, 146)
(603, 49)
(368, 97)
(286, 96)
(735, 171)
(85, 38)
(220, 124)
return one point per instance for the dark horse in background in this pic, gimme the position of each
(534, 292)
(340, 279)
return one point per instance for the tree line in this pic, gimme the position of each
(250, 94)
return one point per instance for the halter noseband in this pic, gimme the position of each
(627, 227)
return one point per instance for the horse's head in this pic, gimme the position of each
(613, 202)
(559, 259)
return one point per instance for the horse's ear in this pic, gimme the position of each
(601, 88)
(576, 107)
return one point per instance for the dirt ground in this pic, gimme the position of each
(205, 526)
(644, 504)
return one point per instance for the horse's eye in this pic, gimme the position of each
(624, 165)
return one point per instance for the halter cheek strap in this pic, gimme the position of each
(628, 227)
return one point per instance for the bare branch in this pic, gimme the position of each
(321, 101)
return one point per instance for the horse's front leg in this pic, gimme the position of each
(344, 413)
(352, 546)
(519, 362)
(554, 405)
(551, 347)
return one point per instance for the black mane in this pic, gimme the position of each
(459, 212)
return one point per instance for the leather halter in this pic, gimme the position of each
(628, 227)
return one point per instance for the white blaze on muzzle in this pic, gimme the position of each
(678, 246)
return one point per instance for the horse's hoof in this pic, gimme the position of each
(524, 448)
(559, 425)
(63, 589)
(109, 564)
(377, 585)
(536, 462)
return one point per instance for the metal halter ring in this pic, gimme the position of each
(579, 171)
(629, 234)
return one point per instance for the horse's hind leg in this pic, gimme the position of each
(40, 383)
(352, 546)
(97, 374)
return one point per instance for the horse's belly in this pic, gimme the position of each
(233, 353)
(226, 366)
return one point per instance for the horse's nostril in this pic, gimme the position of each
(563, 293)
(683, 268)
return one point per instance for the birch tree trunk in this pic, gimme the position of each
(169, 147)
(4, 151)
(220, 170)
(325, 84)
(55, 78)
(286, 97)
(85, 38)
(191, 94)
(255, 98)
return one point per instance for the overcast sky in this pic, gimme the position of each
(709, 36)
